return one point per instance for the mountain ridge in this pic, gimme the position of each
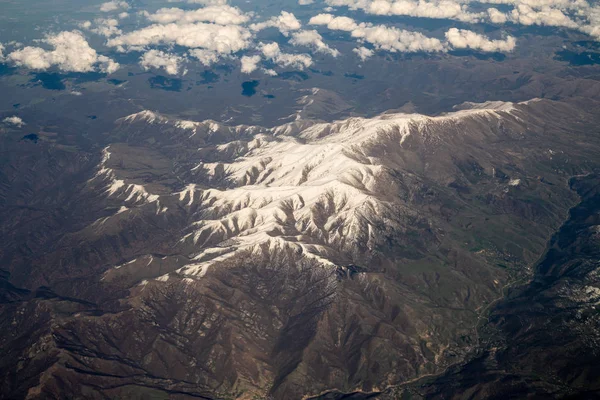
(187, 276)
(281, 179)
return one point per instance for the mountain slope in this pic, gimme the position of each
(531, 337)
(224, 261)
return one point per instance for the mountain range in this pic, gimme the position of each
(397, 255)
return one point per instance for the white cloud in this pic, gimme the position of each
(1, 52)
(102, 26)
(32, 57)
(170, 63)
(496, 16)
(560, 4)
(573, 14)
(206, 2)
(593, 26)
(380, 36)
(445, 9)
(526, 15)
(206, 57)
(219, 30)
(394, 39)
(213, 32)
(14, 120)
(218, 14)
(363, 53)
(107, 27)
(314, 40)
(334, 23)
(286, 22)
(352, 4)
(108, 65)
(463, 39)
(218, 38)
(270, 72)
(250, 64)
(71, 53)
(305, 2)
(271, 51)
(114, 6)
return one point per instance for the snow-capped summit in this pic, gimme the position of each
(324, 189)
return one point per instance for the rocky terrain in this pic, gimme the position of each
(183, 259)
(531, 337)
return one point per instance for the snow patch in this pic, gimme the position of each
(113, 186)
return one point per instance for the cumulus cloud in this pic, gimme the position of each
(439, 9)
(218, 38)
(496, 16)
(363, 53)
(334, 23)
(465, 39)
(352, 4)
(170, 63)
(102, 26)
(394, 39)
(33, 57)
(574, 14)
(526, 15)
(108, 65)
(270, 72)
(286, 22)
(70, 53)
(272, 51)
(560, 4)
(1, 52)
(218, 14)
(218, 30)
(206, 57)
(207, 2)
(250, 63)
(114, 5)
(446, 9)
(14, 120)
(380, 36)
(542, 12)
(313, 40)
(593, 27)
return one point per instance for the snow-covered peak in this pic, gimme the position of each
(114, 186)
(488, 105)
(315, 186)
(143, 116)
